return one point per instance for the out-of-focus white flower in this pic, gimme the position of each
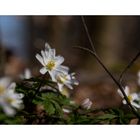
(132, 97)
(139, 78)
(50, 62)
(8, 98)
(72, 102)
(27, 74)
(66, 110)
(86, 104)
(4, 83)
(65, 79)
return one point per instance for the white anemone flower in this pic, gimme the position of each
(8, 98)
(50, 62)
(132, 97)
(27, 74)
(86, 104)
(65, 79)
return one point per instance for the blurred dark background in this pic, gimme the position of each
(116, 39)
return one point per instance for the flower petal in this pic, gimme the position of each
(27, 74)
(8, 110)
(124, 102)
(12, 86)
(59, 60)
(51, 54)
(120, 93)
(45, 58)
(40, 59)
(47, 46)
(43, 70)
(60, 87)
(86, 103)
(53, 75)
(69, 85)
(62, 69)
(127, 90)
(4, 82)
(17, 104)
(135, 96)
(19, 96)
(135, 104)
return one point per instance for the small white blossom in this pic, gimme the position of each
(65, 79)
(86, 104)
(50, 62)
(66, 110)
(132, 97)
(27, 74)
(8, 98)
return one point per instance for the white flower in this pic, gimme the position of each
(50, 62)
(86, 103)
(4, 83)
(66, 110)
(65, 79)
(132, 97)
(27, 74)
(8, 98)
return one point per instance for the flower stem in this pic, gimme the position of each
(39, 86)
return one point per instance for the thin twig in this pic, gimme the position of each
(88, 35)
(39, 86)
(104, 67)
(128, 66)
(113, 78)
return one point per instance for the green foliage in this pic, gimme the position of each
(40, 92)
(4, 119)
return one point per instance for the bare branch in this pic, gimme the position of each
(104, 67)
(88, 35)
(128, 66)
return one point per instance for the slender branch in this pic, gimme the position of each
(104, 67)
(88, 35)
(113, 78)
(128, 66)
(39, 86)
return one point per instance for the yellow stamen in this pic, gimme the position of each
(50, 65)
(2, 89)
(129, 97)
(9, 100)
(62, 79)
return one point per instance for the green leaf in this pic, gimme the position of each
(50, 109)
(58, 108)
(106, 116)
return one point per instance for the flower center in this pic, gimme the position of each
(129, 97)
(62, 78)
(50, 65)
(9, 100)
(2, 89)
